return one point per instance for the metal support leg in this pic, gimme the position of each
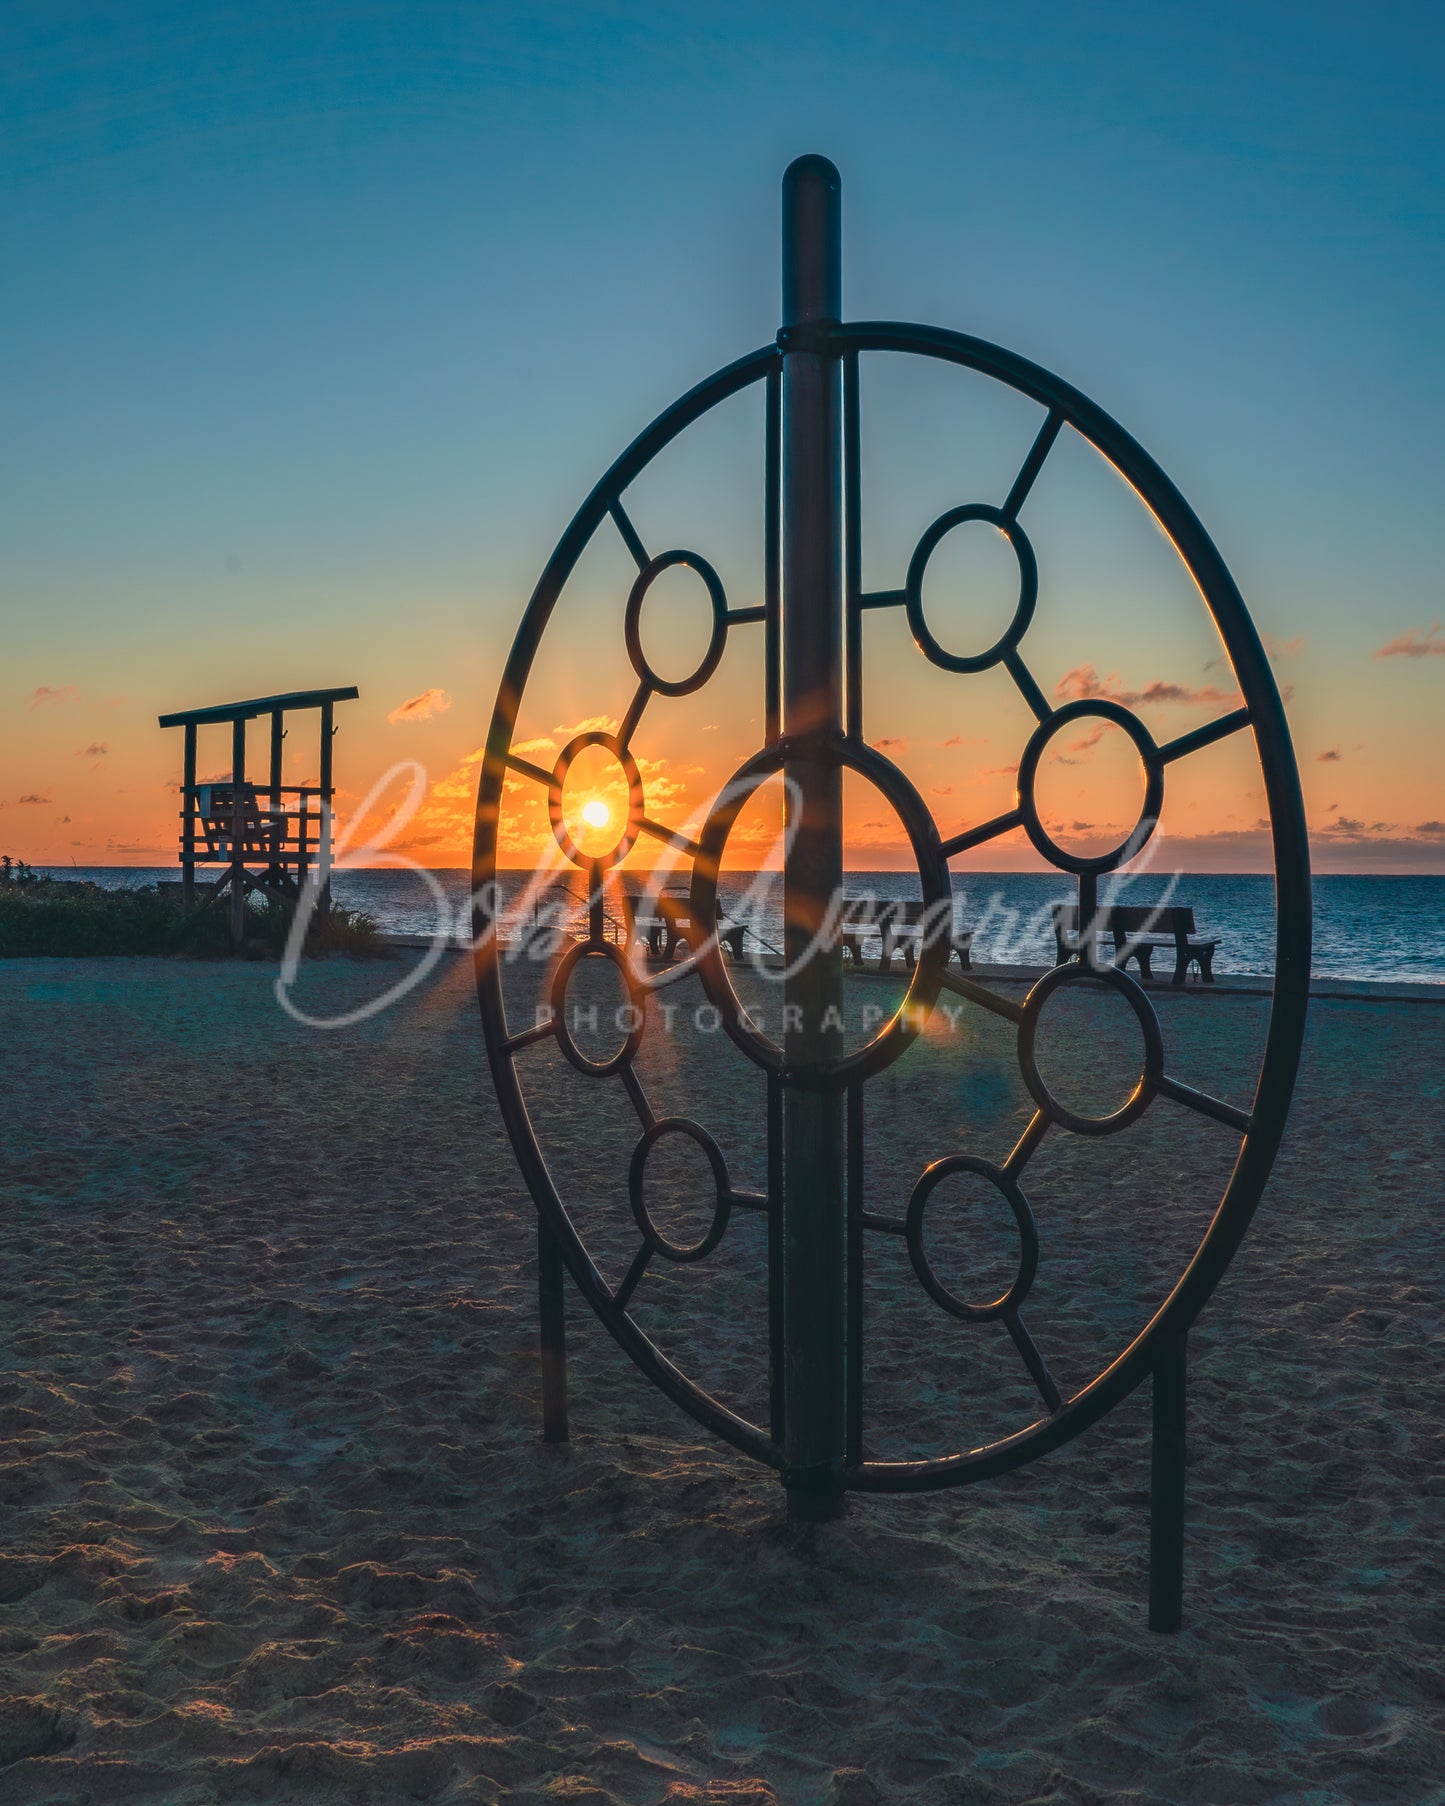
(1166, 1494)
(551, 1311)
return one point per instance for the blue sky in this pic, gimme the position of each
(319, 320)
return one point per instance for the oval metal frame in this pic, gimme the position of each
(1012, 1193)
(632, 623)
(636, 801)
(557, 997)
(636, 1172)
(1147, 748)
(1147, 1089)
(1289, 843)
(928, 645)
(926, 979)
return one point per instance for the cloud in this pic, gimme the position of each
(1083, 683)
(942, 790)
(890, 743)
(32, 796)
(543, 743)
(421, 708)
(94, 751)
(1330, 756)
(589, 724)
(1080, 748)
(1417, 643)
(965, 740)
(1000, 771)
(45, 693)
(1431, 830)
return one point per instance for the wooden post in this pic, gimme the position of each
(188, 819)
(238, 829)
(277, 833)
(328, 837)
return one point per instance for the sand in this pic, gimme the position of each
(277, 1525)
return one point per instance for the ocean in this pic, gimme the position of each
(1389, 929)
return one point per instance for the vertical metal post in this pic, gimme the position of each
(188, 819)
(552, 1315)
(1166, 1490)
(814, 1220)
(238, 828)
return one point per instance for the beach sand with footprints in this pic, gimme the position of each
(278, 1525)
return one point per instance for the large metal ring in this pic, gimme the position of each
(1023, 610)
(927, 975)
(636, 801)
(632, 628)
(652, 1235)
(636, 1004)
(1023, 1216)
(1143, 1093)
(1153, 785)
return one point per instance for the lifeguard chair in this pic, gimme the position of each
(265, 836)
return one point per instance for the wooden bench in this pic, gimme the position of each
(895, 924)
(672, 923)
(1137, 931)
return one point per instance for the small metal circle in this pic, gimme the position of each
(1023, 1216)
(636, 1003)
(1148, 751)
(1143, 1093)
(636, 802)
(1023, 609)
(682, 686)
(926, 978)
(680, 1125)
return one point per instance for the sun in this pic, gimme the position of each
(595, 813)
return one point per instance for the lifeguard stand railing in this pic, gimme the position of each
(264, 836)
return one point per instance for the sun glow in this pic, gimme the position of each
(595, 813)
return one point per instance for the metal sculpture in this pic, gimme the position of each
(812, 619)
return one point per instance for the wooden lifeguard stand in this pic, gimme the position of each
(268, 846)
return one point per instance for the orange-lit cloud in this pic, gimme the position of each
(49, 693)
(1083, 683)
(421, 708)
(94, 751)
(1417, 643)
(1330, 756)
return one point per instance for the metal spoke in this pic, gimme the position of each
(989, 830)
(749, 1200)
(742, 617)
(634, 714)
(1033, 464)
(1206, 1105)
(525, 1037)
(634, 1274)
(852, 554)
(1033, 1360)
(632, 1085)
(883, 598)
(525, 769)
(630, 536)
(670, 835)
(1204, 736)
(870, 1219)
(1026, 1143)
(980, 994)
(1028, 687)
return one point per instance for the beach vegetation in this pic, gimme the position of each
(44, 915)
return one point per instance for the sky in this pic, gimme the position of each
(319, 321)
